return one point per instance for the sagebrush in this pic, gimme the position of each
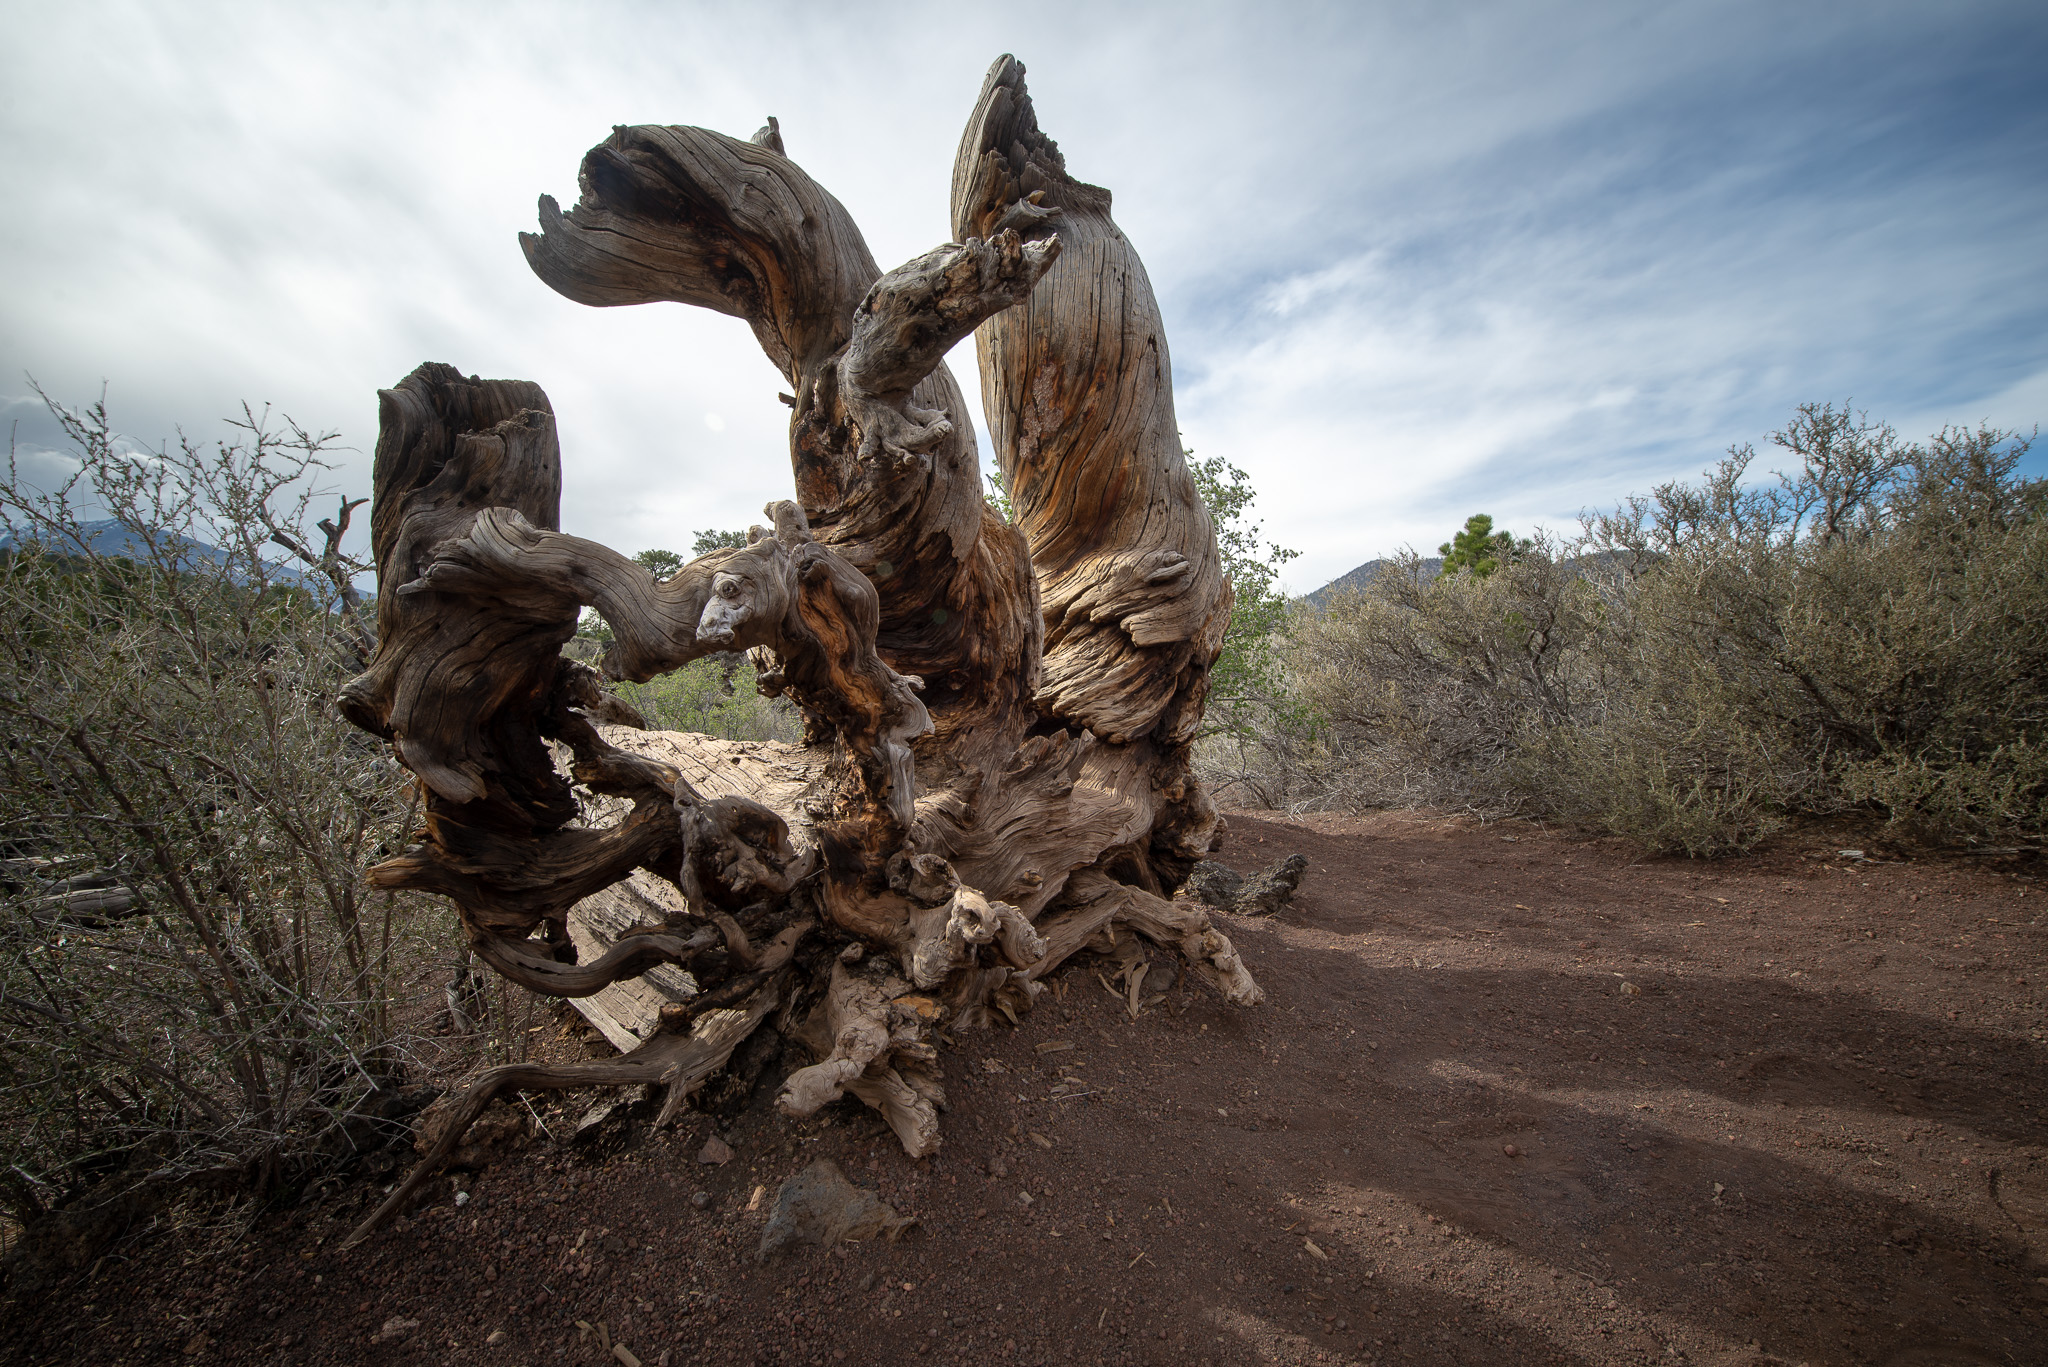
(1868, 631)
(194, 978)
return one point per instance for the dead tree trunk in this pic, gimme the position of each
(995, 773)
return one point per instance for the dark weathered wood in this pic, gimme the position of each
(783, 592)
(695, 217)
(1079, 393)
(447, 449)
(995, 772)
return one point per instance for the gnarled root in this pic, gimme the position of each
(736, 852)
(681, 1063)
(629, 958)
(1093, 904)
(1187, 928)
(910, 1099)
(950, 921)
(980, 991)
(869, 1035)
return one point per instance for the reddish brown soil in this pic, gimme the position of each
(1815, 1134)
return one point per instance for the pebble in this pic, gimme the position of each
(715, 1151)
(1511, 1151)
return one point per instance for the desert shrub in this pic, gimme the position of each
(194, 978)
(1868, 631)
(1255, 736)
(1431, 688)
(717, 696)
(1273, 752)
(1248, 667)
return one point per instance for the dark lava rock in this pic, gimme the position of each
(1215, 884)
(819, 1206)
(1274, 888)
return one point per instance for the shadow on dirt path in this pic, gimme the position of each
(1515, 1098)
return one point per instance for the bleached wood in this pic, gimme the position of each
(629, 1011)
(995, 773)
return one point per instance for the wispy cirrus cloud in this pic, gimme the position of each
(1415, 260)
(1587, 303)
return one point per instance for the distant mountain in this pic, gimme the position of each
(1364, 575)
(111, 538)
(1608, 563)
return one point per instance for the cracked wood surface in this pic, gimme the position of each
(995, 773)
(1079, 392)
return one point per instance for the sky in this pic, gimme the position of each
(1416, 261)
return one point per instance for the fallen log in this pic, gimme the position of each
(995, 773)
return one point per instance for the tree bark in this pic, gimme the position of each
(995, 773)
(1079, 392)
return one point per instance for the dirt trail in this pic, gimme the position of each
(1531, 1099)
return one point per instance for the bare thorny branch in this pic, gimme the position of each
(168, 714)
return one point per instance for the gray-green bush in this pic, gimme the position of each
(1867, 631)
(1255, 733)
(718, 695)
(193, 976)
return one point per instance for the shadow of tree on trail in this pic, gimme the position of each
(1746, 1157)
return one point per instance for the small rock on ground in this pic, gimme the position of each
(819, 1206)
(394, 1328)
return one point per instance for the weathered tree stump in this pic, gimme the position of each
(995, 773)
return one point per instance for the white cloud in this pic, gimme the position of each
(1414, 261)
(2019, 407)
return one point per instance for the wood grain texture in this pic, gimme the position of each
(628, 1010)
(695, 217)
(448, 448)
(881, 445)
(995, 769)
(784, 593)
(869, 1031)
(1079, 393)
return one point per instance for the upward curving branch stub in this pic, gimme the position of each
(1079, 392)
(695, 217)
(996, 772)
